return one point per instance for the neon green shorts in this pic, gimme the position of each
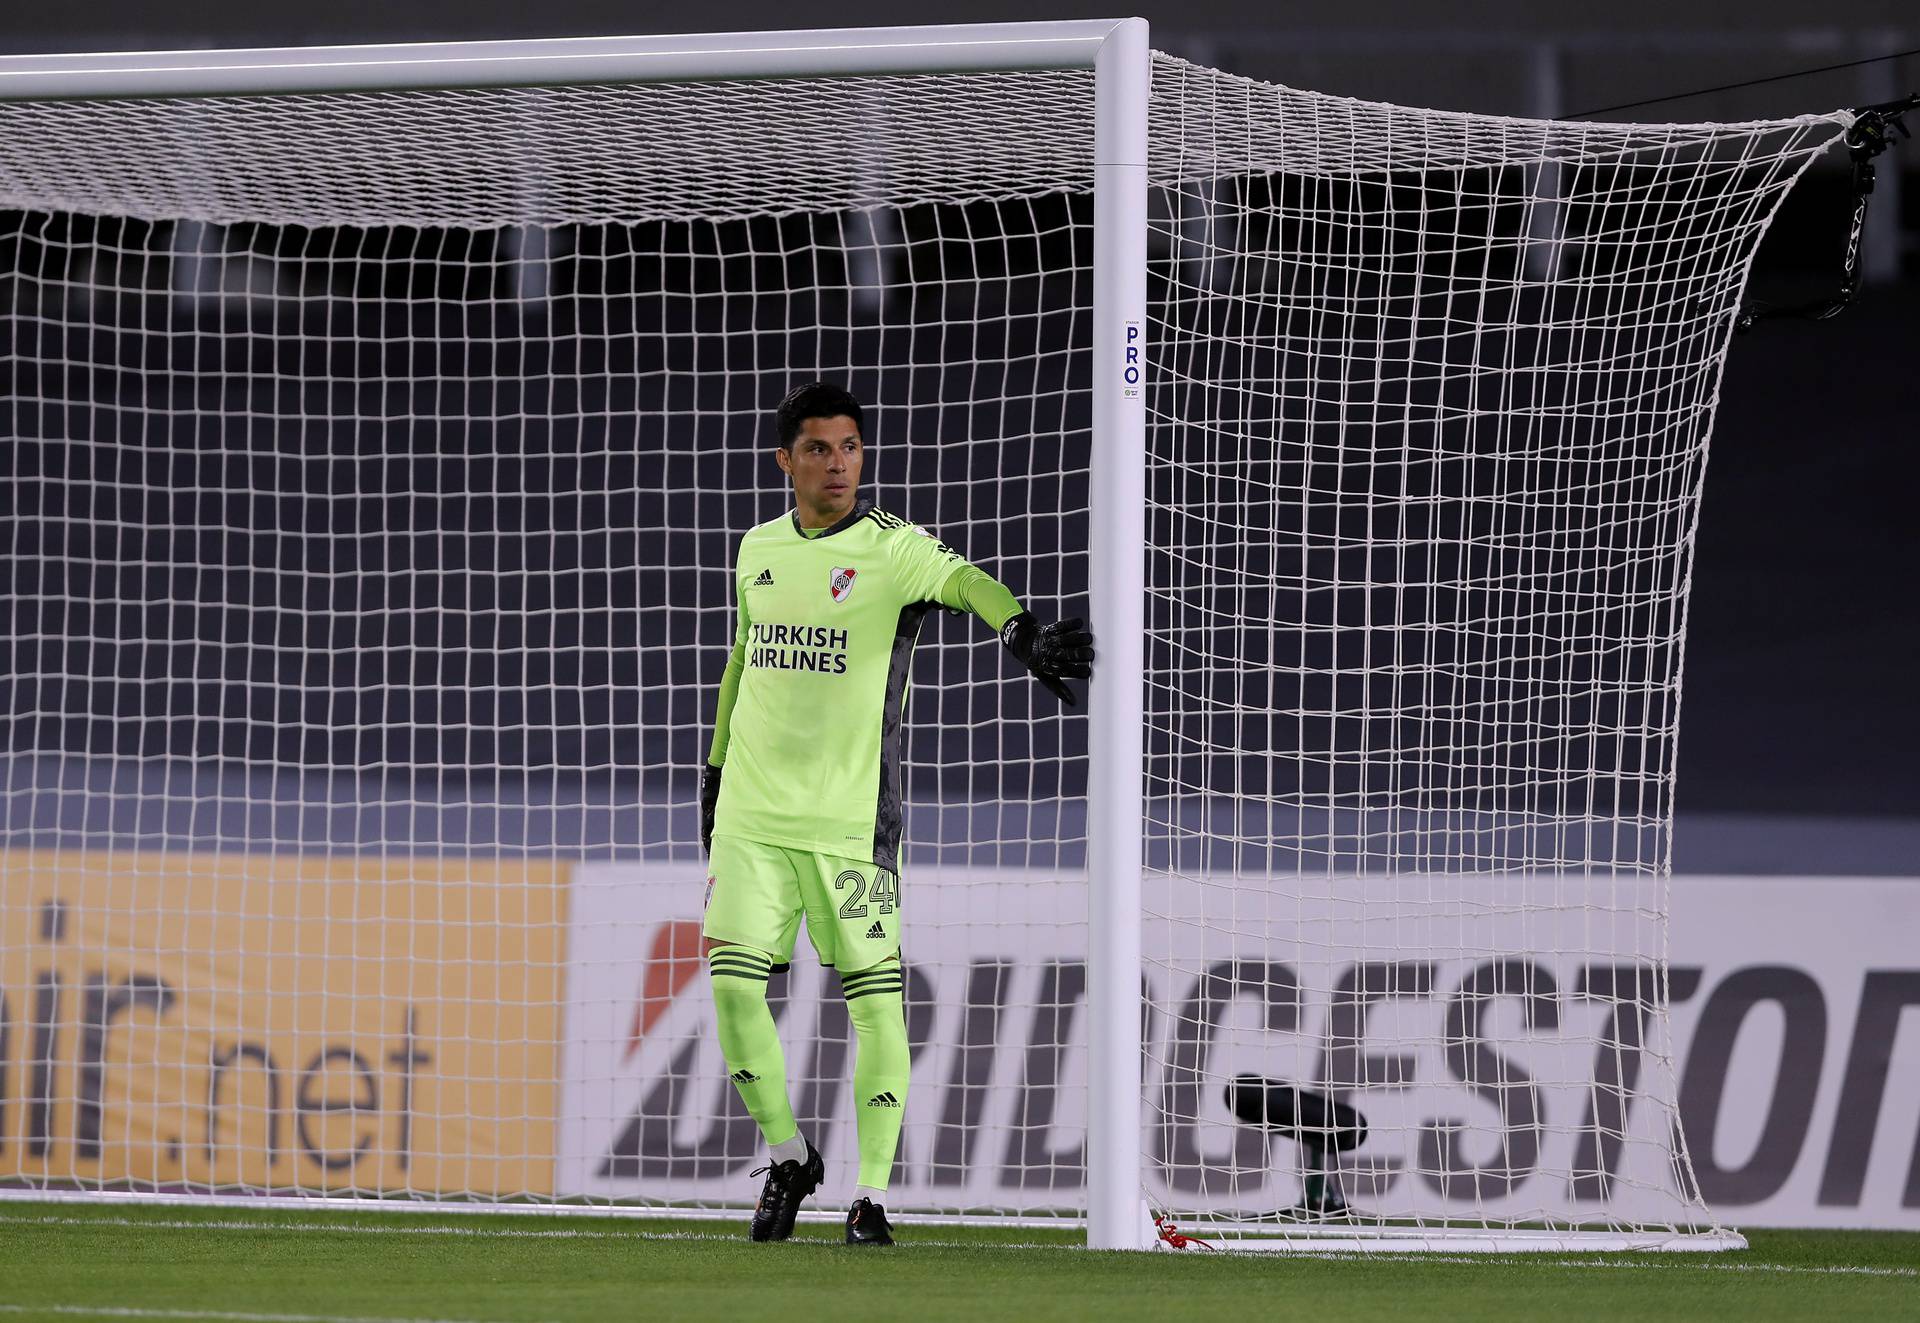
(756, 895)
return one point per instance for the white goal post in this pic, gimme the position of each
(383, 418)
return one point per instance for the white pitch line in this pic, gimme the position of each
(123, 1311)
(1839, 1270)
(1617, 1265)
(186, 1224)
(505, 1233)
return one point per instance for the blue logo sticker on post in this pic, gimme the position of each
(1132, 345)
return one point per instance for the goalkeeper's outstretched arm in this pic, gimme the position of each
(722, 723)
(1055, 652)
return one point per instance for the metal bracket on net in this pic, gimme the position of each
(1873, 132)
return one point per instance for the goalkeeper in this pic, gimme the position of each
(800, 798)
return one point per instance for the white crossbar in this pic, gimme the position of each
(572, 61)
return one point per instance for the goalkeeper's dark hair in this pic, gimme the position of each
(816, 399)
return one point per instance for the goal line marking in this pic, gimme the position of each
(1626, 1265)
(127, 1311)
(500, 1233)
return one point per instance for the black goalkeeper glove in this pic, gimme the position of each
(1054, 653)
(709, 801)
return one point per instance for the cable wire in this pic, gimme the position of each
(1752, 82)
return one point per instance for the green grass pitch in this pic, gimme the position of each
(68, 1261)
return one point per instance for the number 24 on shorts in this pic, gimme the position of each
(885, 893)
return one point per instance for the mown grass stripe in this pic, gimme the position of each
(638, 1229)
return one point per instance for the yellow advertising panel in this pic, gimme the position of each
(180, 1021)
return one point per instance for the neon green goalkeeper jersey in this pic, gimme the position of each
(811, 707)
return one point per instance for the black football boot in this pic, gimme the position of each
(867, 1224)
(787, 1184)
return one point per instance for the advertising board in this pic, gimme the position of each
(192, 1021)
(1503, 1052)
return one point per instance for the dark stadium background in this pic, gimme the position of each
(1800, 748)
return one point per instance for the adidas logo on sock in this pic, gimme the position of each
(877, 930)
(764, 581)
(745, 1077)
(883, 1100)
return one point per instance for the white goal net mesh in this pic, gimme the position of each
(1432, 400)
(375, 463)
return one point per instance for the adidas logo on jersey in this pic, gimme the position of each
(764, 581)
(877, 931)
(744, 1077)
(883, 1100)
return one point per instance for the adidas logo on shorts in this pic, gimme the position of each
(877, 931)
(764, 581)
(744, 1077)
(883, 1100)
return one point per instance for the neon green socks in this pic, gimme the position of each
(751, 1045)
(749, 1041)
(877, 1006)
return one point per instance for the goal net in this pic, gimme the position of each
(375, 461)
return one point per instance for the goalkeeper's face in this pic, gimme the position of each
(824, 464)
